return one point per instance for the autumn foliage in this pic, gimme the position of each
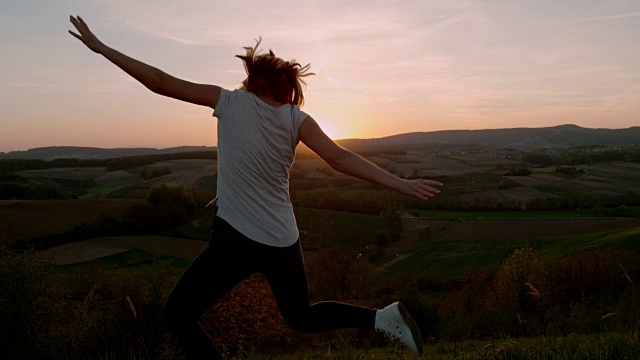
(247, 318)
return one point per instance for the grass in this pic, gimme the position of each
(450, 260)
(575, 346)
(341, 229)
(621, 239)
(557, 190)
(547, 214)
(110, 186)
(132, 262)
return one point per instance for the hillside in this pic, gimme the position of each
(556, 137)
(78, 152)
(563, 136)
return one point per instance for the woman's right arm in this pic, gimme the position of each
(352, 164)
(154, 79)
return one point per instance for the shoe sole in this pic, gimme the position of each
(413, 327)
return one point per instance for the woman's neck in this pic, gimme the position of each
(268, 98)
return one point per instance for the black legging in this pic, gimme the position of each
(231, 257)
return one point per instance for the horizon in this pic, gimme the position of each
(381, 70)
(342, 139)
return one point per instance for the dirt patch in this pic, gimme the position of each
(92, 249)
(114, 175)
(470, 230)
(25, 219)
(79, 252)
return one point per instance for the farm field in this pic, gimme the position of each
(442, 256)
(185, 172)
(30, 218)
(451, 244)
(469, 179)
(523, 214)
(65, 173)
(508, 230)
(92, 249)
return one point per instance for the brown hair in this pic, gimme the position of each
(268, 74)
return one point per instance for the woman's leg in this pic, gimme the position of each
(211, 275)
(286, 273)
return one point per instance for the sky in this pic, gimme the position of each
(382, 67)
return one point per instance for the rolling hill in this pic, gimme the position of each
(78, 152)
(563, 136)
(556, 137)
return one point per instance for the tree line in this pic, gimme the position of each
(119, 163)
(582, 156)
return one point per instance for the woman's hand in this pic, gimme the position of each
(423, 189)
(86, 36)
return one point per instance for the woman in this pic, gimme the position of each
(254, 230)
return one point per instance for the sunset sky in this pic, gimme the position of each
(383, 67)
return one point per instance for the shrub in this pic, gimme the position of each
(31, 321)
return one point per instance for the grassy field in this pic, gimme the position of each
(132, 262)
(442, 256)
(575, 346)
(341, 229)
(549, 214)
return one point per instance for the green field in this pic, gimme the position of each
(341, 229)
(108, 187)
(131, 262)
(524, 214)
(450, 260)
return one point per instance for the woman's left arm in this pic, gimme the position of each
(154, 79)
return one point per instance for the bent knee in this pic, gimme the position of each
(300, 322)
(174, 315)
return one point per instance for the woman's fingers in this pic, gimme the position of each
(76, 24)
(423, 189)
(84, 34)
(79, 25)
(82, 22)
(75, 35)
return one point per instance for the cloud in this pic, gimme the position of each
(599, 18)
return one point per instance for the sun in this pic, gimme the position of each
(332, 128)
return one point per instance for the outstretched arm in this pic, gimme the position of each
(352, 164)
(154, 79)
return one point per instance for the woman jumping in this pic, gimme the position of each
(254, 230)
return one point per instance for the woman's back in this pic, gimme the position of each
(256, 147)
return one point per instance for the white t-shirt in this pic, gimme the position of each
(256, 147)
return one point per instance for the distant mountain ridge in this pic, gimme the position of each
(556, 137)
(78, 152)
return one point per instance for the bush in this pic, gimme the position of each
(150, 173)
(31, 321)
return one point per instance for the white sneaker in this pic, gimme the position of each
(395, 321)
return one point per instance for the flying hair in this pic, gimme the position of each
(269, 74)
